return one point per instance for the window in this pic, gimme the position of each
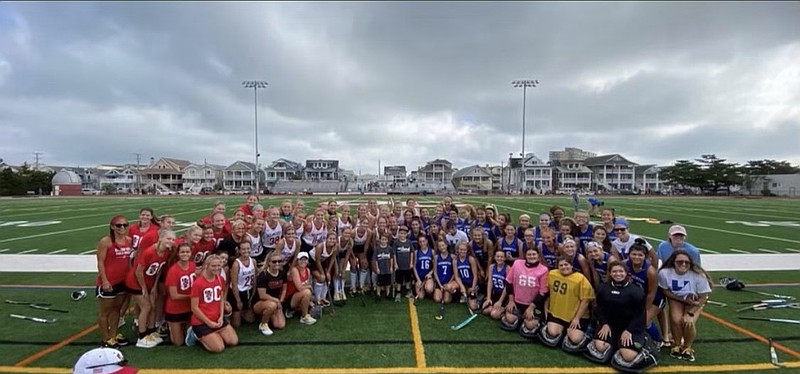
(775, 185)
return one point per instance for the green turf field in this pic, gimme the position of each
(389, 336)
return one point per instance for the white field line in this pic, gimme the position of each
(792, 250)
(81, 229)
(743, 234)
(28, 251)
(5, 250)
(768, 250)
(671, 206)
(114, 207)
(57, 251)
(739, 251)
(88, 252)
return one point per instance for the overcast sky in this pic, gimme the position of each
(403, 82)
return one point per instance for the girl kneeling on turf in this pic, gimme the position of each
(620, 318)
(446, 283)
(687, 286)
(495, 304)
(208, 292)
(298, 289)
(526, 285)
(271, 287)
(570, 295)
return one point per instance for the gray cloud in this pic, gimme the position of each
(401, 82)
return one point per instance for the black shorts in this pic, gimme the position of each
(358, 249)
(116, 290)
(203, 330)
(521, 308)
(584, 322)
(133, 291)
(403, 276)
(384, 280)
(496, 296)
(178, 318)
(246, 297)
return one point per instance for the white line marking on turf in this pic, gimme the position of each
(743, 233)
(28, 251)
(57, 251)
(739, 251)
(707, 250)
(767, 250)
(88, 252)
(5, 250)
(792, 250)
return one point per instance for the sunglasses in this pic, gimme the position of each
(275, 262)
(682, 262)
(120, 225)
(620, 229)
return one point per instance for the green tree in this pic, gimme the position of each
(718, 173)
(108, 189)
(684, 174)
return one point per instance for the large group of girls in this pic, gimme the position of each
(564, 281)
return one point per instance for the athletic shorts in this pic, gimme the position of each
(496, 296)
(659, 300)
(116, 290)
(246, 297)
(203, 330)
(358, 249)
(133, 291)
(384, 280)
(403, 276)
(178, 318)
(584, 322)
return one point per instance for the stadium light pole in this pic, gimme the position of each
(255, 85)
(524, 83)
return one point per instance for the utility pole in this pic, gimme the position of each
(138, 175)
(36, 160)
(524, 84)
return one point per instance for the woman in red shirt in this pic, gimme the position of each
(113, 262)
(147, 224)
(177, 308)
(141, 284)
(208, 293)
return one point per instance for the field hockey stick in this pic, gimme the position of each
(15, 302)
(466, 321)
(34, 306)
(792, 305)
(782, 320)
(716, 303)
(784, 297)
(775, 301)
(762, 305)
(440, 316)
(34, 319)
(773, 356)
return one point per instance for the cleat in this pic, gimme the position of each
(676, 353)
(110, 343)
(122, 340)
(264, 328)
(308, 320)
(688, 354)
(191, 338)
(163, 331)
(154, 336)
(146, 342)
(121, 322)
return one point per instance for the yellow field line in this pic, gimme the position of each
(428, 369)
(419, 349)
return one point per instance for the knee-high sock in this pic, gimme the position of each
(363, 280)
(353, 276)
(653, 331)
(319, 291)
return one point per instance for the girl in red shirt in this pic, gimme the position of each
(177, 308)
(141, 284)
(148, 224)
(113, 256)
(208, 292)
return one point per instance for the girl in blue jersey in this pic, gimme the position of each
(548, 248)
(598, 261)
(544, 223)
(569, 248)
(467, 275)
(644, 275)
(567, 227)
(445, 281)
(607, 218)
(558, 214)
(422, 268)
(600, 235)
(510, 244)
(424, 218)
(529, 241)
(482, 223)
(585, 230)
(416, 231)
(524, 224)
(481, 248)
(499, 224)
(495, 303)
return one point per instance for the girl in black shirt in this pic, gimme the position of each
(271, 287)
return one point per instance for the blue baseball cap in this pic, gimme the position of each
(621, 222)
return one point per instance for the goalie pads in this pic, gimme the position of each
(596, 355)
(551, 340)
(529, 334)
(643, 361)
(505, 325)
(570, 347)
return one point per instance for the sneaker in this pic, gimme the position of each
(191, 338)
(288, 313)
(397, 297)
(264, 328)
(121, 322)
(122, 340)
(146, 342)
(154, 336)
(343, 295)
(337, 297)
(409, 295)
(110, 343)
(324, 302)
(463, 300)
(688, 354)
(308, 320)
(676, 352)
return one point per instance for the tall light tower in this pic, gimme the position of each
(255, 85)
(524, 83)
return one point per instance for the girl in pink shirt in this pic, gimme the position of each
(526, 283)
